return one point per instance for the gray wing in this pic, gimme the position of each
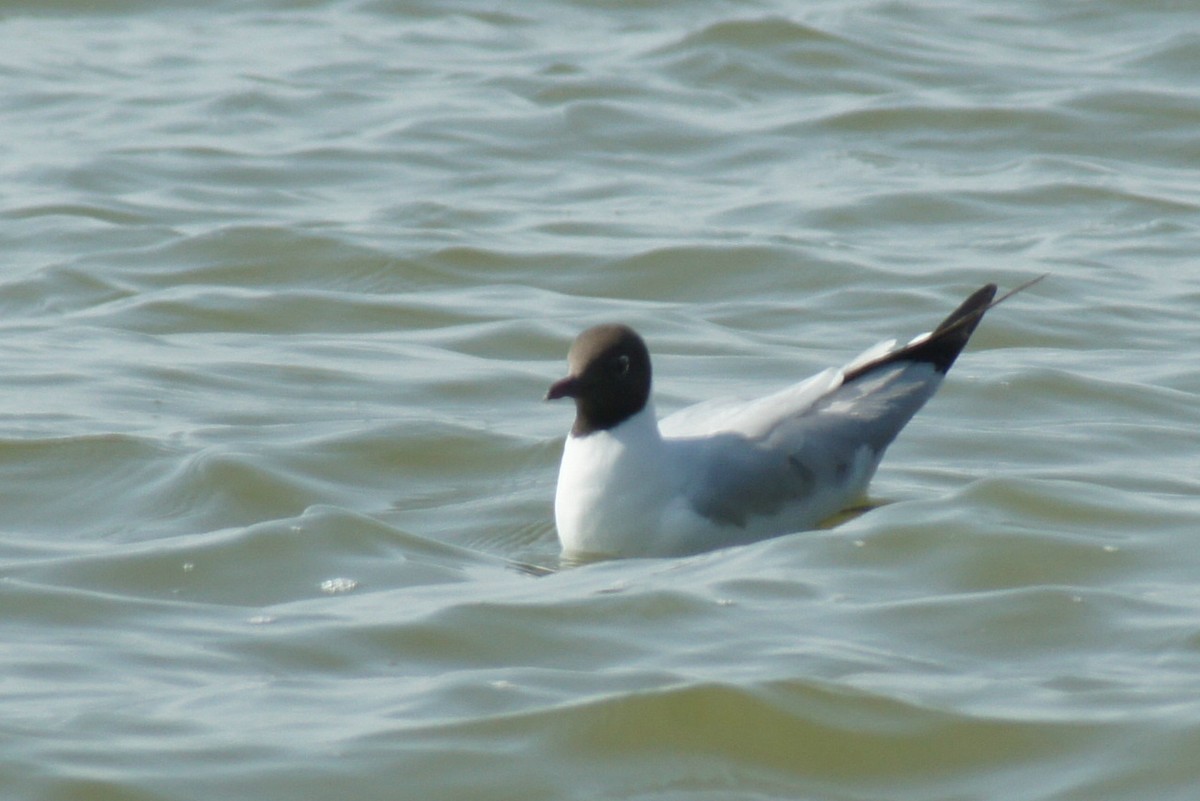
(824, 455)
(826, 451)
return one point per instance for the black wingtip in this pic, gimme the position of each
(945, 342)
(943, 345)
(969, 312)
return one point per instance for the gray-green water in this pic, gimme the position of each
(283, 283)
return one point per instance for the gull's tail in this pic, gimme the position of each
(941, 346)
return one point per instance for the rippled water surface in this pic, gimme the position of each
(283, 284)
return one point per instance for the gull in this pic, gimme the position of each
(726, 473)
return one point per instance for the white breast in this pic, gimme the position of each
(614, 488)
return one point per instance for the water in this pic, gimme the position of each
(283, 284)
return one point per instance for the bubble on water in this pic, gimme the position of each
(334, 586)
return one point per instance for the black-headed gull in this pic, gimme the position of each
(718, 474)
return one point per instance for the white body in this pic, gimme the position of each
(719, 474)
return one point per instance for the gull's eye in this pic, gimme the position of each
(622, 364)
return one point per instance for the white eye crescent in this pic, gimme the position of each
(622, 364)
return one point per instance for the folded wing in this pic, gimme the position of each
(809, 450)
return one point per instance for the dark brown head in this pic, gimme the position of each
(608, 376)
